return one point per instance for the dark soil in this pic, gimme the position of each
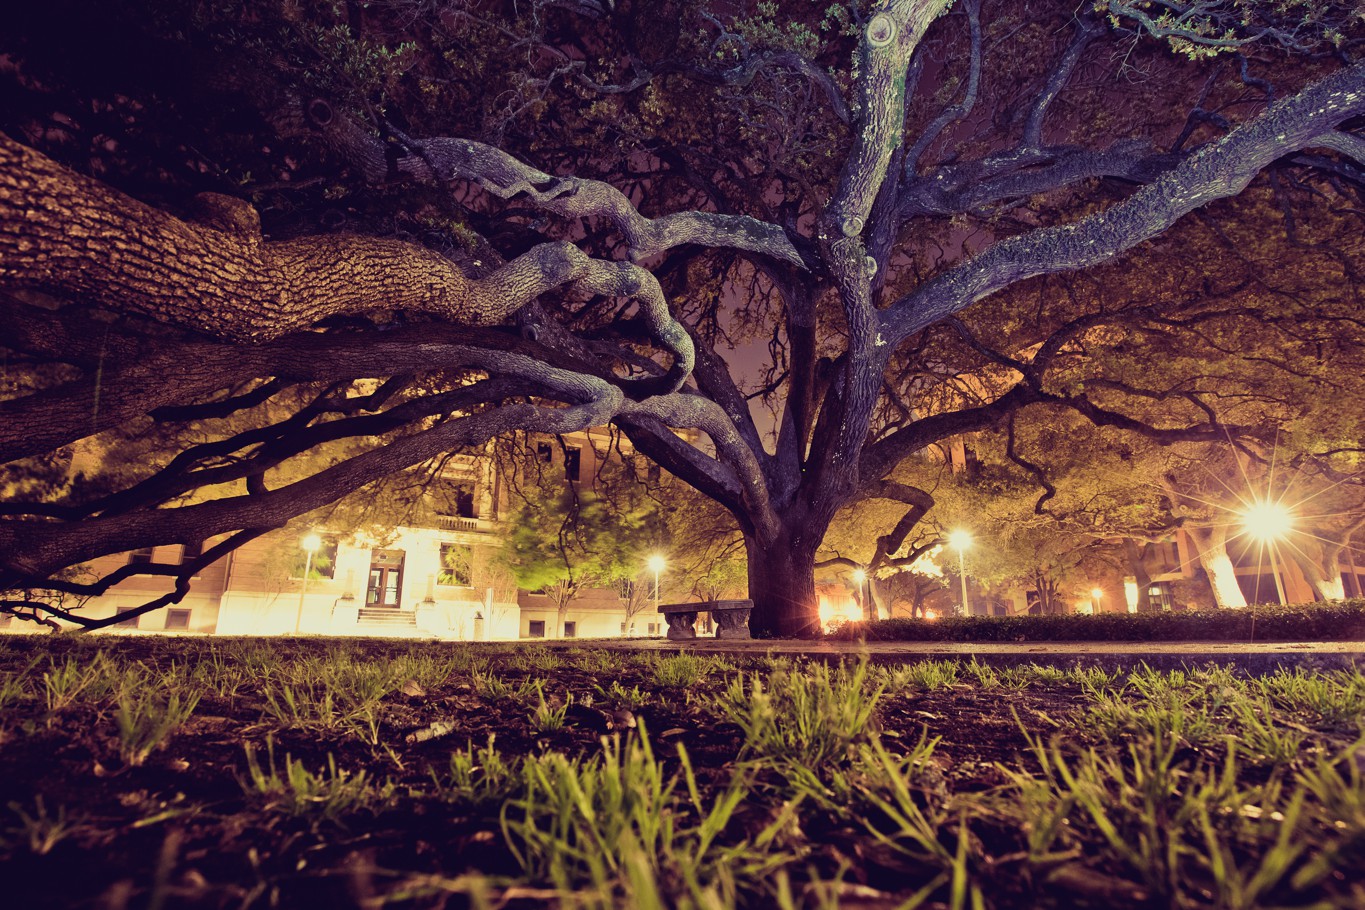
(185, 830)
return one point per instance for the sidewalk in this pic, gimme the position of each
(1254, 657)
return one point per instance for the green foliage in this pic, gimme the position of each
(804, 717)
(564, 538)
(41, 829)
(548, 716)
(146, 721)
(618, 823)
(1344, 621)
(479, 777)
(681, 671)
(329, 794)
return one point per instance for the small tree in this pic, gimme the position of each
(564, 540)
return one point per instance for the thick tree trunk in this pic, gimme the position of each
(782, 587)
(1320, 569)
(1213, 556)
(1141, 578)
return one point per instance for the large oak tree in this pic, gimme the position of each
(235, 237)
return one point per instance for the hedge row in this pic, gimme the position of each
(1343, 621)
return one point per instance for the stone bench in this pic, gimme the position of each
(731, 616)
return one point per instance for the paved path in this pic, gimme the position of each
(1256, 657)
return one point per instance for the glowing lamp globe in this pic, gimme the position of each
(311, 542)
(960, 540)
(656, 563)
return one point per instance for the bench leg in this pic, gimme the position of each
(681, 626)
(732, 623)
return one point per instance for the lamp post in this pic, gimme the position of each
(656, 565)
(1268, 522)
(1096, 594)
(310, 543)
(960, 540)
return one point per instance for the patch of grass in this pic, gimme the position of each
(922, 675)
(806, 718)
(548, 717)
(619, 696)
(145, 722)
(617, 824)
(1333, 698)
(75, 680)
(479, 776)
(39, 829)
(537, 659)
(329, 794)
(680, 671)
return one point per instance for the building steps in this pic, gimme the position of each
(386, 616)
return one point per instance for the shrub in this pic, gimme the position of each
(1343, 621)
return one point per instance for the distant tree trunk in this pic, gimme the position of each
(782, 587)
(1048, 602)
(1213, 556)
(1320, 568)
(1134, 551)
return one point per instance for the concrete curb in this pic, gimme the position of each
(1254, 658)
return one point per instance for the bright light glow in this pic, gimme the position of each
(311, 542)
(1267, 521)
(1097, 593)
(835, 611)
(656, 563)
(930, 614)
(859, 576)
(960, 540)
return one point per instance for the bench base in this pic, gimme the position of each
(731, 616)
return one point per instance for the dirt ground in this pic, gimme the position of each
(185, 828)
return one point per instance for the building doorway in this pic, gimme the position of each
(385, 587)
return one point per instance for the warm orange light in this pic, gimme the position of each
(960, 540)
(1096, 593)
(835, 611)
(859, 576)
(311, 542)
(1267, 521)
(930, 614)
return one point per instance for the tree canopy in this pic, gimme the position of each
(255, 256)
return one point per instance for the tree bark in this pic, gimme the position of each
(782, 587)
(1320, 569)
(1213, 556)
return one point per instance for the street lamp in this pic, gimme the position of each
(1268, 522)
(311, 543)
(1096, 594)
(656, 565)
(960, 540)
(864, 583)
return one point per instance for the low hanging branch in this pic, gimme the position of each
(70, 236)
